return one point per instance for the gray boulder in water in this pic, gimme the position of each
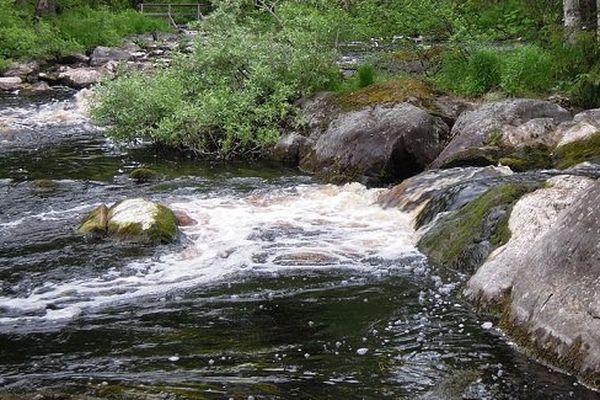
(545, 282)
(376, 143)
(136, 220)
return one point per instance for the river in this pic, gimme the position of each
(285, 288)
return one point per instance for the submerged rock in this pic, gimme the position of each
(376, 143)
(544, 281)
(137, 220)
(143, 175)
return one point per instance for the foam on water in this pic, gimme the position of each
(73, 111)
(304, 227)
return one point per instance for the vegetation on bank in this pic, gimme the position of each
(77, 26)
(236, 92)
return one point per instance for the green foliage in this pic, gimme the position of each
(528, 70)
(94, 27)
(471, 73)
(366, 75)
(586, 90)
(230, 97)
(77, 27)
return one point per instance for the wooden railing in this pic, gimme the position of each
(172, 10)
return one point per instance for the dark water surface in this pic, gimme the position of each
(285, 289)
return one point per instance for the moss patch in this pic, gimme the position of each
(463, 239)
(528, 158)
(143, 175)
(518, 159)
(396, 91)
(163, 229)
(96, 222)
(577, 152)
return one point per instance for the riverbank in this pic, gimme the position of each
(254, 301)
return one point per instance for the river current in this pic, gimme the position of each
(284, 289)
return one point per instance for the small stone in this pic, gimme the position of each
(173, 358)
(487, 325)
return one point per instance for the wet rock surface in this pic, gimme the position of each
(513, 123)
(545, 280)
(376, 144)
(136, 220)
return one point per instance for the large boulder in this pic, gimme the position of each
(544, 281)
(22, 69)
(483, 135)
(102, 55)
(136, 220)
(8, 84)
(83, 77)
(375, 143)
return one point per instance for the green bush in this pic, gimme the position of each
(77, 27)
(94, 27)
(528, 70)
(366, 75)
(470, 72)
(227, 99)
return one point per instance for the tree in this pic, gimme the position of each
(580, 15)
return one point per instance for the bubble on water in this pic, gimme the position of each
(362, 351)
(487, 325)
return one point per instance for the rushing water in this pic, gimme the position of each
(285, 288)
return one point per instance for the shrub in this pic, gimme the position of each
(528, 70)
(366, 75)
(227, 99)
(470, 72)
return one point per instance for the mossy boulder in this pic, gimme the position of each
(463, 239)
(543, 284)
(143, 175)
(95, 222)
(137, 220)
(573, 153)
(376, 144)
(495, 129)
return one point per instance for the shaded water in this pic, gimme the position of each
(284, 289)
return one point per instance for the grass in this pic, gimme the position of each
(76, 28)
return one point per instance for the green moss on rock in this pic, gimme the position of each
(44, 185)
(475, 157)
(160, 226)
(574, 153)
(96, 222)
(463, 239)
(396, 91)
(143, 175)
(528, 158)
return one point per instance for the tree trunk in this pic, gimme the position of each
(572, 15)
(44, 7)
